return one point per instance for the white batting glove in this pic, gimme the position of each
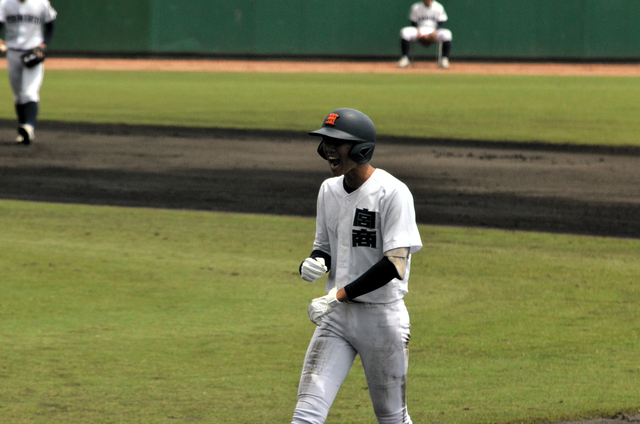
(312, 269)
(322, 306)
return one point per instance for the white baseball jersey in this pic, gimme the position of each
(357, 228)
(427, 17)
(23, 22)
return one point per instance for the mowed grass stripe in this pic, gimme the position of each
(559, 110)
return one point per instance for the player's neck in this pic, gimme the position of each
(358, 176)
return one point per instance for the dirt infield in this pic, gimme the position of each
(591, 69)
(570, 190)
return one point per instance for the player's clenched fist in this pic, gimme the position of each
(322, 306)
(312, 269)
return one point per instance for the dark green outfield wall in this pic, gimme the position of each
(482, 29)
(574, 29)
(101, 26)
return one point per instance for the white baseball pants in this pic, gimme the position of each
(411, 33)
(25, 82)
(380, 334)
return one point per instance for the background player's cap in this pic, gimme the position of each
(349, 125)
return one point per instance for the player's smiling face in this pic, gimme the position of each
(337, 154)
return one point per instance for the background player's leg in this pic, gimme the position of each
(30, 113)
(20, 113)
(326, 365)
(405, 47)
(14, 65)
(31, 83)
(445, 37)
(408, 35)
(29, 97)
(446, 49)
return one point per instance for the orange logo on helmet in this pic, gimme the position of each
(331, 119)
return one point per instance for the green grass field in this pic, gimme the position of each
(117, 315)
(572, 110)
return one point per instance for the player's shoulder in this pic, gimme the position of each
(331, 183)
(40, 3)
(9, 5)
(436, 5)
(387, 181)
(45, 3)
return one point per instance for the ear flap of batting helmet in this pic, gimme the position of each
(353, 126)
(321, 150)
(362, 152)
(359, 153)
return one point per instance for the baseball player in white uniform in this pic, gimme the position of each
(366, 233)
(427, 18)
(29, 24)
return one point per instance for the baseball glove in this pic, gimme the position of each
(33, 57)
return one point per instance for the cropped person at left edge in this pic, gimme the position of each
(29, 25)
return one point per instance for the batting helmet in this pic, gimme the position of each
(352, 126)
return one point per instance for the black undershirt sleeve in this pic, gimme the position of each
(48, 32)
(377, 276)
